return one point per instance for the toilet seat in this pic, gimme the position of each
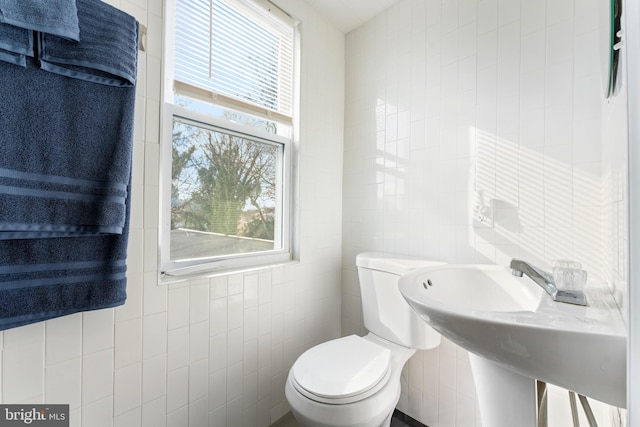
(341, 371)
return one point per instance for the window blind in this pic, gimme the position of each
(236, 49)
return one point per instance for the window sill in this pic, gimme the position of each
(169, 279)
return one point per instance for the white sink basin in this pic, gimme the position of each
(513, 322)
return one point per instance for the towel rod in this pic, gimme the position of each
(142, 38)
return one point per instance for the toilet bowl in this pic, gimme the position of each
(325, 390)
(355, 381)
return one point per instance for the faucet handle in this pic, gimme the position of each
(569, 276)
(565, 263)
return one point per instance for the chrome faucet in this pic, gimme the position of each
(546, 282)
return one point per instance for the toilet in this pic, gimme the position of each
(355, 381)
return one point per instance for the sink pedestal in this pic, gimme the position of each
(505, 399)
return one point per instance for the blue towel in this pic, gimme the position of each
(45, 278)
(58, 17)
(106, 54)
(37, 205)
(15, 44)
(66, 157)
(65, 180)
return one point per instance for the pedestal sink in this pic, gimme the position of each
(518, 334)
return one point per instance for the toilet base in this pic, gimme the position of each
(366, 413)
(387, 422)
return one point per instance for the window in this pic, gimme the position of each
(227, 136)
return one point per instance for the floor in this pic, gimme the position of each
(289, 421)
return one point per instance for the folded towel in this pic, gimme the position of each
(15, 44)
(67, 146)
(58, 17)
(66, 166)
(107, 53)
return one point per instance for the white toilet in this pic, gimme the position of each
(355, 381)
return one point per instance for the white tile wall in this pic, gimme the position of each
(451, 101)
(213, 351)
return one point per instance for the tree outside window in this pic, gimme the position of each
(224, 187)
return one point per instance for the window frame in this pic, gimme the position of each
(286, 184)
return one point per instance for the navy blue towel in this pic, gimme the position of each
(46, 277)
(67, 142)
(107, 52)
(15, 44)
(42, 279)
(58, 17)
(65, 180)
(66, 154)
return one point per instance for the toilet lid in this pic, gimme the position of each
(341, 368)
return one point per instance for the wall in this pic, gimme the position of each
(213, 351)
(450, 104)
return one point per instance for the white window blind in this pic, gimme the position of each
(235, 52)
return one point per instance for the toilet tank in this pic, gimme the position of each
(386, 313)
